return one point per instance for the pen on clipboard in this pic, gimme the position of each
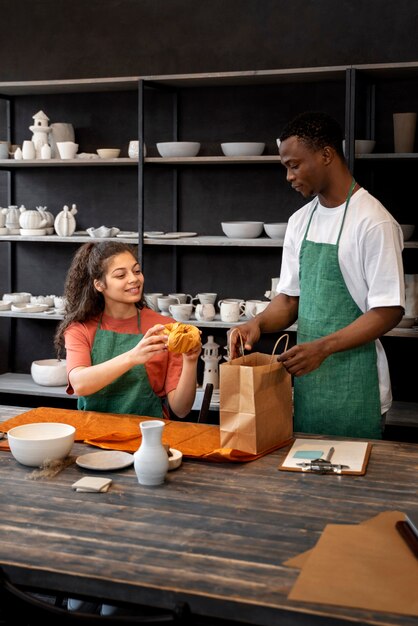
(408, 536)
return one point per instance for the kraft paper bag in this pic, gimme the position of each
(255, 393)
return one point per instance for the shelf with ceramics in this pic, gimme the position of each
(214, 160)
(13, 163)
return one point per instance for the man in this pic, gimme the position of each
(342, 279)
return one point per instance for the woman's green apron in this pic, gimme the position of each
(130, 393)
(341, 397)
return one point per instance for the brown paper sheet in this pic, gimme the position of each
(121, 432)
(299, 560)
(367, 566)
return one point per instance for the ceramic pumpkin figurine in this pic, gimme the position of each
(65, 223)
(31, 219)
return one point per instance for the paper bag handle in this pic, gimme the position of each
(277, 343)
(285, 335)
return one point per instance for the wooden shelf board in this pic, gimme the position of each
(214, 160)
(25, 163)
(81, 85)
(24, 384)
(216, 240)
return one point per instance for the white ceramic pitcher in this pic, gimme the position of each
(151, 458)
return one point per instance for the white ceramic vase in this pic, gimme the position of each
(151, 458)
(28, 150)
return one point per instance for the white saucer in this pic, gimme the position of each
(177, 235)
(153, 233)
(25, 307)
(105, 460)
(128, 234)
(33, 232)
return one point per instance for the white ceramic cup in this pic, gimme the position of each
(60, 303)
(259, 308)
(28, 149)
(181, 312)
(133, 149)
(205, 312)
(67, 149)
(183, 298)
(205, 298)
(151, 300)
(231, 310)
(164, 302)
(250, 307)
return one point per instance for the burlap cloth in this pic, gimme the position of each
(122, 432)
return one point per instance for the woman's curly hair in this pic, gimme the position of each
(83, 301)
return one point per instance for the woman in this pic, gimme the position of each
(117, 360)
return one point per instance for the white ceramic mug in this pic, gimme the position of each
(164, 302)
(259, 308)
(151, 300)
(250, 307)
(205, 312)
(231, 310)
(205, 298)
(181, 312)
(183, 298)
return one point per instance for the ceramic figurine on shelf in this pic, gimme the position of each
(12, 220)
(40, 130)
(65, 223)
(49, 217)
(211, 359)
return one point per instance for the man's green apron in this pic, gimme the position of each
(341, 397)
(130, 393)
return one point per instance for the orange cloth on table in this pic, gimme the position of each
(121, 432)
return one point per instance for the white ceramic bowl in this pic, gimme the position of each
(169, 149)
(34, 444)
(276, 230)
(103, 231)
(108, 153)
(242, 230)
(362, 146)
(407, 230)
(15, 297)
(49, 372)
(243, 148)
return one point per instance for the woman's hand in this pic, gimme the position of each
(193, 355)
(153, 342)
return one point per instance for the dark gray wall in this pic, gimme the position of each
(46, 39)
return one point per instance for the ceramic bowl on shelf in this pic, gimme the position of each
(407, 230)
(49, 372)
(108, 153)
(362, 146)
(103, 231)
(242, 230)
(18, 296)
(406, 322)
(275, 230)
(169, 149)
(37, 443)
(243, 148)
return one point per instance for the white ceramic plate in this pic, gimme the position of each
(29, 308)
(129, 234)
(153, 233)
(174, 235)
(105, 460)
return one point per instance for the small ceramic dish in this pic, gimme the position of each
(33, 232)
(108, 153)
(5, 306)
(23, 307)
(103, 231)
(175, 460)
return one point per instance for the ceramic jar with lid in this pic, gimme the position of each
(12, 220)
(31, 219)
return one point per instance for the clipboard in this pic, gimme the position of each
(345, 457)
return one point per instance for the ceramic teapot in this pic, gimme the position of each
(65, 223)
(32, 219)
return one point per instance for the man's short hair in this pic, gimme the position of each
(316, 130)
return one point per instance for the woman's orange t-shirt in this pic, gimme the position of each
(163, 370)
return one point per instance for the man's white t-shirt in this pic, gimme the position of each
(370, 257)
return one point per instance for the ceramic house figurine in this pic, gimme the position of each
(40, 131)
(211, 359)
(65, 223)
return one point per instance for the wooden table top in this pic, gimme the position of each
(215, 535)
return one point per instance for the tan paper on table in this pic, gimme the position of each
(367, 566)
